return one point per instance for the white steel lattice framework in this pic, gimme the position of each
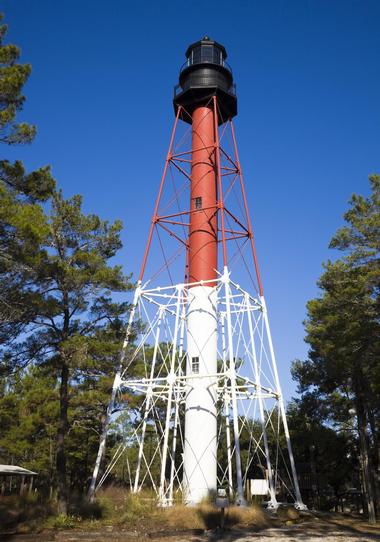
(165, 360)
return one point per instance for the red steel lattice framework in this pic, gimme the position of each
(228, 224)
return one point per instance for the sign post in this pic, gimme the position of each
(222, 502)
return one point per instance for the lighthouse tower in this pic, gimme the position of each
(204, 75)
(197, 379)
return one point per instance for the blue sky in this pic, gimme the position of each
(308, 80)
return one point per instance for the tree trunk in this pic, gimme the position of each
(365, 460)
(51, 469)
(314, 478)
(376, 457)
(62, 430)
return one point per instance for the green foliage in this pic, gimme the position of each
(360, 238)
(30, 411)
(137, 507)
(22, 221)
(330, 454)
(343, 324)
(13, 77)
(341, 377)
(70, 341)
(60, 327)
(63, 521)
(35, 186)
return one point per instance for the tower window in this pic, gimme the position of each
(198, 203)
(195, 365)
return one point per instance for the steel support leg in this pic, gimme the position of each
(147, 405)
(227, 400)
(240, 500)
(176, 415)
(273, 501)
(298, 502)
(116, 383)
(171, 380)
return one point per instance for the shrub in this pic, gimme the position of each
(139, 506)
(63, 521)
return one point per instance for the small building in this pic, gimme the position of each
(24, 476)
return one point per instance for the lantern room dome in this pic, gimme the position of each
(205, 74)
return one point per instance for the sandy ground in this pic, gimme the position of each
(318, 528)
(296, 535)
(270, 535)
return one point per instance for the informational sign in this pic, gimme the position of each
(221, 498)
(259, 487)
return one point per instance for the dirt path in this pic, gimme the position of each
(280, 535)
(318, 528)
(296, 534)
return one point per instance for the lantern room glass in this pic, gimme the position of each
(206, 53)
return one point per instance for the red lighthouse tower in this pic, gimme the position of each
(204, 81)
(210, 372)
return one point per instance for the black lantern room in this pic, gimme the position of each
(205, 74)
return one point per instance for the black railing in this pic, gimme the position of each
(203, 60)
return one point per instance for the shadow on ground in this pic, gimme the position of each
(312, 527)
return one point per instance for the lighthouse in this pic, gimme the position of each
(197, 377)
(204, 75)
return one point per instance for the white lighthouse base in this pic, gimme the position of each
(200, 446)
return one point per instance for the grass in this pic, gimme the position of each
(206, 516)
(24, 513)
(62, 521)
(118, 510)
(141, 511)
(121, 509)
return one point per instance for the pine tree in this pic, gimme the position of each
(13, 77)
(343, 330)
(21, 218)
(59, 326)
(70, 299)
